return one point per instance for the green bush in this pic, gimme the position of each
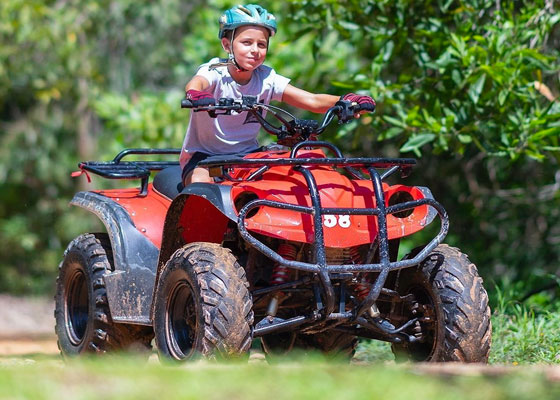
(461, 84)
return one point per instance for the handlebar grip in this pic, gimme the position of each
(186, 103)
(368, 107)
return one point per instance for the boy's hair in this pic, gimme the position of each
(228, 34)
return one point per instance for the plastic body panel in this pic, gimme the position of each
(130, 285)
(284, 184)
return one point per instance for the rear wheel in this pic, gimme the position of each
(452, 309)
(203, 306)
(83, 318)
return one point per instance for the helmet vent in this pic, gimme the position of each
(241, 9)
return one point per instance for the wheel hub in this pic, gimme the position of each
(77, 307)
(181, 320)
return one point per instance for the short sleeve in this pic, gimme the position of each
(279, 85)
(211, 75)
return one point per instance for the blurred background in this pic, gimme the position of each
(470, 88)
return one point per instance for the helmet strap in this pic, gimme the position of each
(232, 60)
(231, 56)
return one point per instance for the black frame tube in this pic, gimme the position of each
(309, 162)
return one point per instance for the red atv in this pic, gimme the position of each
(295, 244)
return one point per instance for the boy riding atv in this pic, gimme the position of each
(295, 244)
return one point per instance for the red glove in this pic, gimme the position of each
(365, 103)
(200, 99)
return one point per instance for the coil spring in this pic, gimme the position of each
(281, 273)
(362, 287)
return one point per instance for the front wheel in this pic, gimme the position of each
(451, 306)
(203, 306)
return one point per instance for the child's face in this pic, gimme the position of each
(250, 46)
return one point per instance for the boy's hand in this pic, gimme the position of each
(200, 99)
(365, 103)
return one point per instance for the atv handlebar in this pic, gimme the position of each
(291, 127)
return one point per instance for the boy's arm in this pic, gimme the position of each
(195, 91)
(197, 83)
(300, 98)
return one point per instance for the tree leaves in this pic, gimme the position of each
(476, 89)
(451, 78)
(416, 142)
(455, 84)
(476, 63)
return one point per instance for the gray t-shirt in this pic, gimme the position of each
(236, 133)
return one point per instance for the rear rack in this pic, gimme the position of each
(118, 169)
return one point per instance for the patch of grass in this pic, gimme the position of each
(127, 378)
(522, 336)
(525, 331)
(373, 351)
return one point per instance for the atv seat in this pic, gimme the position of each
(168, 182)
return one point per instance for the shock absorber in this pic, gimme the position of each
(281, 274)
(362, 286)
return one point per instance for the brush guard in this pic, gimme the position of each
(326, 308)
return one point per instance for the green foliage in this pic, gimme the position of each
(150, 120)
(56, 60)
(450, 74)
(373, 351)
(463, 84)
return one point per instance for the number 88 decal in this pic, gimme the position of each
(330, 221)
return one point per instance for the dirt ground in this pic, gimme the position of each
(26, 326)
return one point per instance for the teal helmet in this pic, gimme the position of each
(250, 14)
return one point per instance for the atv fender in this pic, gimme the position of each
(200, 213)
(130, 286)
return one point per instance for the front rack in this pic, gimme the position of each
(118, 169)
(392, 165)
